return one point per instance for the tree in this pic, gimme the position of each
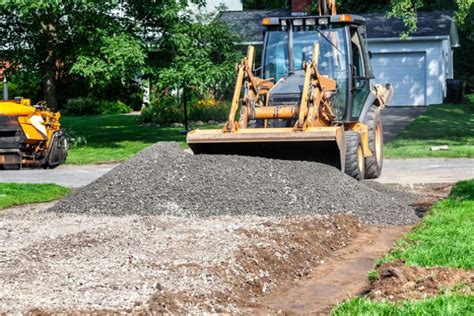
(98, 40)
(198, 53)
(39, 34)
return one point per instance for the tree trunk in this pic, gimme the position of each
(49, 81)
(49, 65)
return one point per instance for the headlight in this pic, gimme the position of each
(298, 22)
(324, 21)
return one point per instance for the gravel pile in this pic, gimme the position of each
(163, 179)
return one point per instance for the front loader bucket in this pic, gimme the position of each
(321, 144)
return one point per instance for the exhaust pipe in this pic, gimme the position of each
(5, 89)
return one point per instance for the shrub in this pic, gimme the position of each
(25, 84)
(162, 110)
(166, 110)
(82, 106)
(90, 106)
(209, 109)
(114, 107)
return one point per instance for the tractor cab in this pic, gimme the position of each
(343, 56)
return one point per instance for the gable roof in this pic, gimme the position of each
(435, 23)
(248, 24)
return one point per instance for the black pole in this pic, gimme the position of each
(185, 103)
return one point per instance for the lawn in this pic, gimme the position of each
(110, 138)
(444, 238)
(21, 193)
(441, 305)
(446, 124)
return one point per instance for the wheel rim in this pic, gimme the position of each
(360, 158)
(378, 143)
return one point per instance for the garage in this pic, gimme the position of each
(406, 72)
(417, 66)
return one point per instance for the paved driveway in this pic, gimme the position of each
(73, 176)
(396, 119)
(427, 170)
(403, 171)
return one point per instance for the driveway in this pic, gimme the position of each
(72, 176)
(396, 119)
(403, 171)
(427, 170)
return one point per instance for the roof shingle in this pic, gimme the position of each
(248, 24)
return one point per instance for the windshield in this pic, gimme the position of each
(332, 55)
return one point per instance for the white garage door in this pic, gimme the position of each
(406, 72)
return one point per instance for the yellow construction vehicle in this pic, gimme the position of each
(30, 135)
(313, 99)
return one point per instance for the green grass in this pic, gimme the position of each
(446, 124)
(444, 238)
(21, 193)
(446, 235)
(441, 305)
(110, 138)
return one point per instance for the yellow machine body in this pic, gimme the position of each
(30, 135)
(316, 132)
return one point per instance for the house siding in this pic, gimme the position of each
(438, 66)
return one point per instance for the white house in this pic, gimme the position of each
(417, 67)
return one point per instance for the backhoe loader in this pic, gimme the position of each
(30, 135)
(312, 99)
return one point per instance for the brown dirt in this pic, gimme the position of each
(343, 274)
(400, 282)
(269, 255)
(278, 256)
(429, 194)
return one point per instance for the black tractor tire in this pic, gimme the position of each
(57, 152)
(355, 161)
(374, 163)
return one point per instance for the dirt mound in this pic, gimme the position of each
(400, 282)
(163, 179)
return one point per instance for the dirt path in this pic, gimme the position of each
(342, 276)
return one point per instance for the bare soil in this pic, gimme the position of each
(400, 282)
(53, 263)
(341, 275)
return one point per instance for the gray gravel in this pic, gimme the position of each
(163, 179)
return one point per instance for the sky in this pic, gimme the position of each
(230, 4)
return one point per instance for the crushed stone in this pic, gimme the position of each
(165, 180)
